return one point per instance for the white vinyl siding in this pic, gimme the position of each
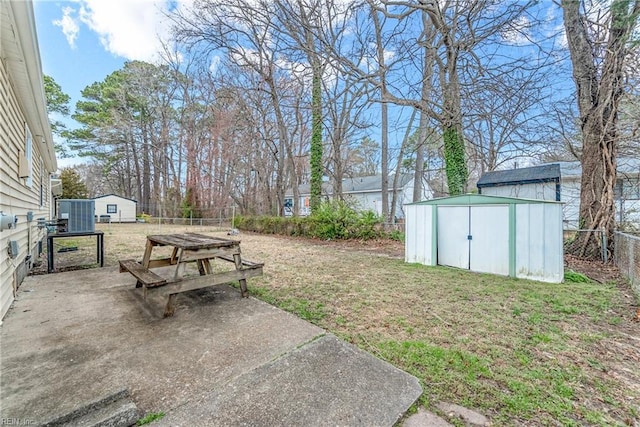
(16, 198)
(119, 209)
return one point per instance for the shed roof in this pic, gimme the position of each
(542, 173)
(115, 195)
(480, 199)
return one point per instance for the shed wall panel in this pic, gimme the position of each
(539, 242)
(418, 236)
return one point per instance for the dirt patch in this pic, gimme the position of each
(595, 270)
(391, 248)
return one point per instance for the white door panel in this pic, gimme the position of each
(453, 229)
(489, 251)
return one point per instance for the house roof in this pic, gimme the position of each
(542, 173)
(22, 55)
(625, 165)
(115, 195)
(359, 184)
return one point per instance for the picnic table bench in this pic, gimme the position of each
(190, 247)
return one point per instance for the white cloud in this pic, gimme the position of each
(128, 28)
(69, 25)
(131, 29)
(518, 32)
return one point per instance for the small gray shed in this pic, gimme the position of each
(500, 235)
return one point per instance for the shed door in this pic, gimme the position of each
(474, 237)
(489, 244)
(453, 230)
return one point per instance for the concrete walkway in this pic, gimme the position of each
(76, 337)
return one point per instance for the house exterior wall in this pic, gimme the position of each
(538, 191)
(570, 197)
(16, 197)
(367, 200)
(125, 208)
(27, 156)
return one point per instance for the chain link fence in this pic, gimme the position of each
(596, 249)
(627, 258)
(155, 225)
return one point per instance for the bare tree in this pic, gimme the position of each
(599, 46)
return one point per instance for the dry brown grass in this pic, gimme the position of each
(523, 352)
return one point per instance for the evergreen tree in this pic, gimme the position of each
(72, 185)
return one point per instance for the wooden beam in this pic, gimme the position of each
(200, 282)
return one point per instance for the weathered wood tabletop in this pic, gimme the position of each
(191, 241)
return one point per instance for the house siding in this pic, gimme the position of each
(16, 198)
(126, 208)
(539, 191)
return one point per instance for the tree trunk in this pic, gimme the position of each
(316, 134)
(397, 176)
(599, 89)
(384, 115)
(430, 53)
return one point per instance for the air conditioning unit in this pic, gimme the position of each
(76, 216)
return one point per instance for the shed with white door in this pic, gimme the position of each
(500, 235)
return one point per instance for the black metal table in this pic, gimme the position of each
(99, 246)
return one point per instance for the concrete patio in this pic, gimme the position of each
(82, 337)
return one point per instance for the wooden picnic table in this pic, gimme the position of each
(190, 247)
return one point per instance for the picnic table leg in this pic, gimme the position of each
(147, 254)
(201, 268)
(207, 266)
(180, 266)
(170, 308)
(243, 282)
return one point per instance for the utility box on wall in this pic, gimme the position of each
(76, 216)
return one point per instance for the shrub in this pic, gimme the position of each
(396, 235)
(332, 220)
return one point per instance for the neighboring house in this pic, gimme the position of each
(27, 156)
(365, 193)
(627, 194)
(537, 182)
(113, 208)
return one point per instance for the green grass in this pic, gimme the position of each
(519, 350)
(149, 418)
(572, 276)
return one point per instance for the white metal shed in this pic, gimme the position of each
(500, 235)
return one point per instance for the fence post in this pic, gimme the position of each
(190, 218)
(630, 264)
(604, 247)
